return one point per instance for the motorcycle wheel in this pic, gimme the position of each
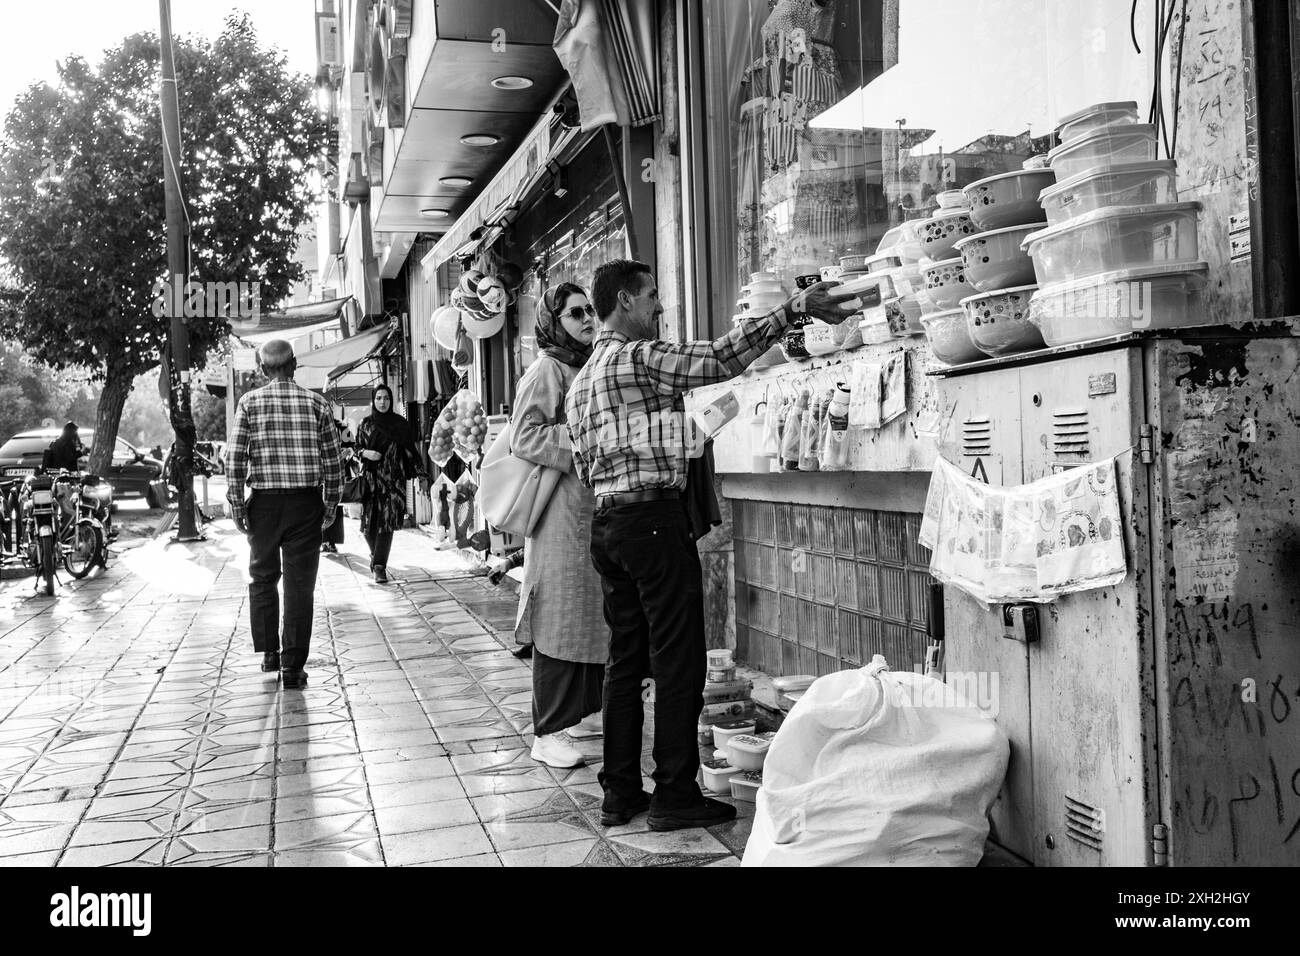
(83, 550)
(45, 553)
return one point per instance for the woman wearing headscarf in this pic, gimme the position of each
(66, 450)
(560, 604)
(386, 447)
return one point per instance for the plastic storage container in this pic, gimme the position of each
(949, 337)
(1116, 303)
(995, 260)
(747, 752)
(1108, 146)
(945, 283)
(719, 658)
(999, 322)
(726, 729)
(1128, 184)
(904, 241)
(792, 682)
(1008, 199)
(745, 786)
(1099, 116)
(903, 315)
(717, 775)
(1116, 237)
(941, 231)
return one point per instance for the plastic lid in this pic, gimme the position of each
(995, 292)
(1105, 213)
(718, 765)
(997, 232)
(1127, 106)
(734, 724)
(1139, 130)
(945, 314)
(948, 214)
(1036, 171)
(1137, 273)
(749, 744)
(1096, 172)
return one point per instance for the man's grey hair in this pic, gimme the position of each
(275, 355)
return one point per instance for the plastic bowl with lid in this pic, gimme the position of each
(1116, 237)
(950, 337)
(1088, 120)
(1008, 199)
(1108, 146)
(903, 314)
(941, 231)
(995, 259)
(1119, 302)
(945, 283)
(1126, 184)
(999, 322)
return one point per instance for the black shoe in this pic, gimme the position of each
(294, 678)
(709, 813)
(522, 651)
(616, 811)
(380, 576)
(271, 661)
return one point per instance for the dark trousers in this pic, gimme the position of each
(380, 543)
(654, 605)
(285, 542)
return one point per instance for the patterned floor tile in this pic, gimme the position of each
(311, 805)
(146, 852)
(430, 846)
(431, 815)
(341, 830)
(256, 839)
(364, 854)
(674, 848)
(501, 772)
(588, 852)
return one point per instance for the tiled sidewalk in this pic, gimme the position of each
(136, 727)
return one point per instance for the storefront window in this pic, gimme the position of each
(830, 121)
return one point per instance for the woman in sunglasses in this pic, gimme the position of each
(561, 604)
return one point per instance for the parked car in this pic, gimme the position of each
(130, 471)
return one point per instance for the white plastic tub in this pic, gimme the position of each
(1008, 199)
(1116, 303)
(995, 259)
(949, 337)
(1108, 146)
(1099, 116)
(999, 322)
(717, 775)
(941, 231)
(1116, 237)
(1128, 184)
(945, 283)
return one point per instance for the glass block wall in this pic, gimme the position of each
(820, 589)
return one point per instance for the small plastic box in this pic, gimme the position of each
(747, 751)
(719, 658)
(724, 731)
(1125, 184)
(745, 785)
(1099, 116)
(718, 774)
(1107, 146)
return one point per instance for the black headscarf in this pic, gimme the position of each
(552, 338)
(391, 425)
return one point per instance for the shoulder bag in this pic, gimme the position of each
(512, 492)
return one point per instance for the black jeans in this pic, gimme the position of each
(654, 605)
(284, 527)
(380, 543)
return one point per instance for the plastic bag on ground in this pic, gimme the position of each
(876, 768)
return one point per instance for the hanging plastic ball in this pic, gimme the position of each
(446, 326)
(484, 328)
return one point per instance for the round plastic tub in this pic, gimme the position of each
(1008, 199)
(1128, 184)
(941, 231)
(995, 259)
(1108, 146)
(718, 774)
(945, 283)
(1116, 237)
(1099, 116)
(999, 322)
(949, 337)
(1115, 303)
(725, 730)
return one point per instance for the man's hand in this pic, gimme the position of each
(329, 518)
(241, 525)
(370, 454)
(821, 302)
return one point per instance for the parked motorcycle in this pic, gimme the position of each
(66, 517)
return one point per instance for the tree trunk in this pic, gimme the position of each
(108, 415)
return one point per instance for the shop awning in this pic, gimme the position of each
(290, 322)
(347, 354)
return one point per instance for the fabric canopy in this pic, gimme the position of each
(348, 353)
(295, 319)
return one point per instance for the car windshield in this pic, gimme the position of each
(18, 447)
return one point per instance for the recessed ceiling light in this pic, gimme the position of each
(455, 181)
(480, 139)
(512, 82)
(434, 213)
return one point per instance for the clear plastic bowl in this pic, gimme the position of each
(999, 322)
(1119, 302)
(1108, 146)
(950, 338)
(903, 240)
(1128, 184)
(1008, 199)
(904, 315)
(995, 260)
(1116, 237)
(1090, 119)
(945, 283)
(952, 199)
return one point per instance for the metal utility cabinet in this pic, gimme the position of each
(1156, 722)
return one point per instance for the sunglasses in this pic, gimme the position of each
(578, 311)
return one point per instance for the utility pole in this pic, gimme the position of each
(177, 276)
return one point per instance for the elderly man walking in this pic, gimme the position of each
(285, 447)
(640, 542)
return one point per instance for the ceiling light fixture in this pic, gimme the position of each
(512, 82)
(434, 213)
(480, 139)
(455, 181)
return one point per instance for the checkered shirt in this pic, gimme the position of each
(624, 379)
(284, 437)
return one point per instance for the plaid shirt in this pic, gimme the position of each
(615, 450)
(284, 437)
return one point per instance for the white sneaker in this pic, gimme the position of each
(554, 751)
(593, 725)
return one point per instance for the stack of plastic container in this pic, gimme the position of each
(1119, 252)
(728, 700)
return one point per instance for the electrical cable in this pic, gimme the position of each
(1178, 71)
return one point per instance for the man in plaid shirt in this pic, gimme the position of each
(627, 422)
(285, 446)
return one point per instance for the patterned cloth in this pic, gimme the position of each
(383, 482)
(284, 437)
(625, 403)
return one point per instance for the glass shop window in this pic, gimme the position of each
(827, 122)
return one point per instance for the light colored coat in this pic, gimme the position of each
(561, 606)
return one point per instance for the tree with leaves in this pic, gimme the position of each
(82, 226)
